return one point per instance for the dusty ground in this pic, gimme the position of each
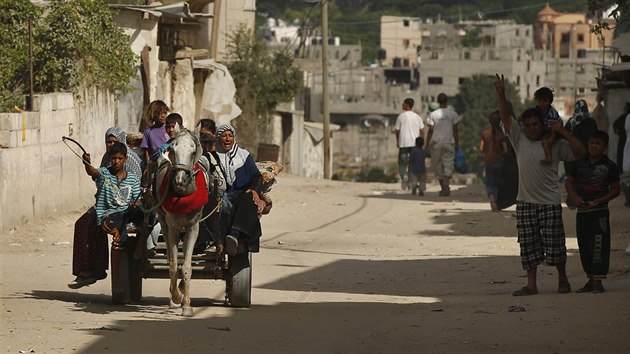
(345, 267)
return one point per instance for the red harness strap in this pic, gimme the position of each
(187, 204)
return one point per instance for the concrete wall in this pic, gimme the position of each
(39, 175)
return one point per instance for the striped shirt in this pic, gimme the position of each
(114, 195)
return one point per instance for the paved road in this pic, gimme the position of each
(344, 268)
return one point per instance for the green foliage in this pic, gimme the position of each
(374, 174)
(262, 80)
(75, 43)
(367, 174)
(358, 21)
(80, 44)
(14, 15)
(472, 38)
(476, 100)
(596, 7)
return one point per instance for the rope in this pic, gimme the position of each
(213, 210)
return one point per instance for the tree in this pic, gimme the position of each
(472, 38)
(76, 43)
(262, 80)
(476, 100)
(14, 16)
(597, 7)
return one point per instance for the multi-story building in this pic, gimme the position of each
(503, 47)
(567, 34)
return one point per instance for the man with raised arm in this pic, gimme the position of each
(538, 208)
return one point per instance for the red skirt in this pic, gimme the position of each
(90, 250)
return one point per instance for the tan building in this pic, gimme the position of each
(400, 39)
(567, 35)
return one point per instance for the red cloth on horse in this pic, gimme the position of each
(189, 203)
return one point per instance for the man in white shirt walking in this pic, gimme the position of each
(442, 139)
(409, 126)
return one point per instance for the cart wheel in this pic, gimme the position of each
(120, 277)
(239, 280)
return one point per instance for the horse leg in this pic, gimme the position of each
(171, 246)
(189, 244)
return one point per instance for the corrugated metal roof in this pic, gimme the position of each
(180, 9)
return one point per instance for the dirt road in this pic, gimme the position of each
(344, 268)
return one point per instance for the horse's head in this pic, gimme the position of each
(183, 155)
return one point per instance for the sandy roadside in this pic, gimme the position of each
(344, 267)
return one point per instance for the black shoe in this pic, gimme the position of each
(587, 288)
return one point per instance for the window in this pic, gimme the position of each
(518, 80)
(517, 32)
(461, 80)
(405, 43)
(537, 80)
(580, 37)
(435, 80)
(565, 38)
(406, 23)
(466, 55)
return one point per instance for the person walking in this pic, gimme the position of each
(442, 139)
(493, 147)
(538, 210)
(408, 127)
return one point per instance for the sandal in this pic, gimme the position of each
(564, 287)
(524, 291)
(80, 282)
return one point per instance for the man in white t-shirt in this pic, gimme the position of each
(442, 139)
(409, 126)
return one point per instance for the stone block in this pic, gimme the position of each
(53, 134)
(10, 121)
(42, 103)
(8, 139)
(33, 120)
(65, 100)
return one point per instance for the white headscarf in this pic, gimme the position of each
(233, 159)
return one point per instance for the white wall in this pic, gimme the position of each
(39, 175)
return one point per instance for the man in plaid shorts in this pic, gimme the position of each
(538, 208)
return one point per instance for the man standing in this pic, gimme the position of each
(408, 127)
(538, 210)
(442, 139)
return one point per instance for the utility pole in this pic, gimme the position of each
(216, 18)
(325, 112)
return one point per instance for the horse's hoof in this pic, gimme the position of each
(187, 312)
(173, 305)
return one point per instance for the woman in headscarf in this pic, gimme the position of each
(581, 125)
(89, 253)
(133, 164)
(244, 182)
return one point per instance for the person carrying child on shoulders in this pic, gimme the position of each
(592, 182)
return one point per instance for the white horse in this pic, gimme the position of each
(176, 181)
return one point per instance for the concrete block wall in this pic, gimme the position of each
(39, 176)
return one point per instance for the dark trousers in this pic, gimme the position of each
(593, 235)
